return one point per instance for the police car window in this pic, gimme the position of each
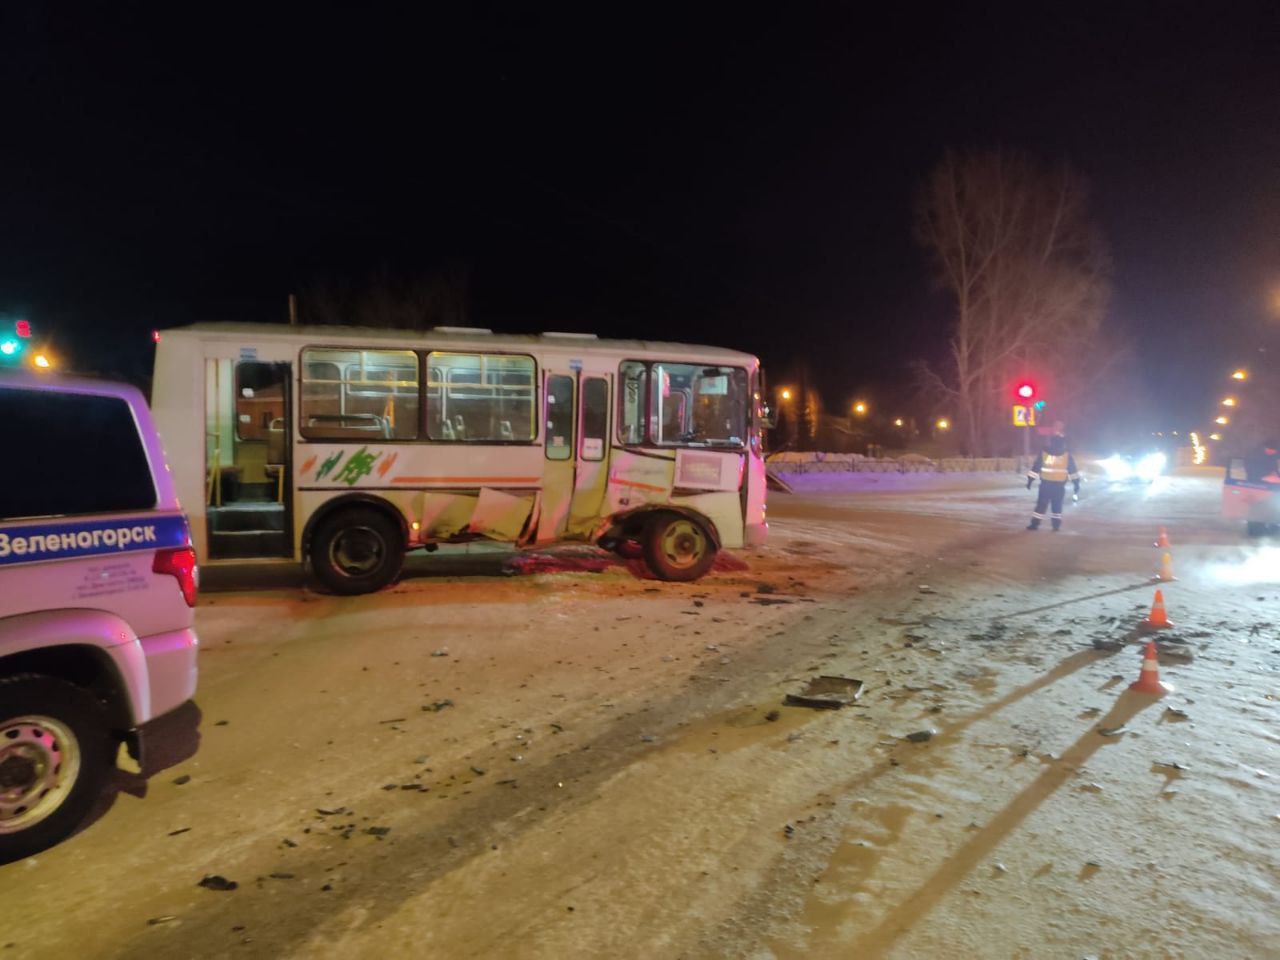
(71, 453)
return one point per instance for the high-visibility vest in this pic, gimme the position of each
(1054, 468)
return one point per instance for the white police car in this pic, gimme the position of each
(97, 585)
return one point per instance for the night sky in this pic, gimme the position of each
(723, 178)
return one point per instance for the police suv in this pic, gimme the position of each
(97, 585)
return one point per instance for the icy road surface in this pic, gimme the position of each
(575, 761)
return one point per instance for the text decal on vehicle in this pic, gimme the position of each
(61, 541)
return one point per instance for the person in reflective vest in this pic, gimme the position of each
(1053, 468)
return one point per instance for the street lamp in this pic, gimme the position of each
(1221, 421)
(1240, 375)
(860, 408)
(944, 424)
(786, 393)
(1215, 436)
(897, 422)
(1229, 402)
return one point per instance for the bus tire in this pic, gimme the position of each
(55, 757)
(356, 551)
(677, 547)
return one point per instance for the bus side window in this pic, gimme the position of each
(631, 401)
(595, 418)
(559, 417)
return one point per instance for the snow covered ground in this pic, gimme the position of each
(580, 761)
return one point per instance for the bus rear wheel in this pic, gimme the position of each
(677, 548)
(356, 551)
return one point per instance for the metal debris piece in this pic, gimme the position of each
(826, 693)
(1177, 714)
(1114, 731)
(920, 736)
(1170, 765)
(442, 652)
(214, 881)
(156, 921)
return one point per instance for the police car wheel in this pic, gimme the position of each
(357, 551)
(55, 757)
(677, 548)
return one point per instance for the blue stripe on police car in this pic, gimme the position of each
(31, 543)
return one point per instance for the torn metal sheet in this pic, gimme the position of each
(826, 693)
(500, 516)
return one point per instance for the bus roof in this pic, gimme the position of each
(455, 337)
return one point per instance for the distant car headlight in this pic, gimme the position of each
(1117, 467)
(1151, 466)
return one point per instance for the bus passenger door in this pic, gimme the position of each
(247, 447)
(558, 401)
(592, 477)
(576, 471)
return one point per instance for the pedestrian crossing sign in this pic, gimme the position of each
(1023, 415)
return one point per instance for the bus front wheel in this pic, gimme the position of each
(356, 551)
(677, 548)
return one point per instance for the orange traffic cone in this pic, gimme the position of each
(1149, 679)
(1157, 619)
(1165, 573)
(1163, 540)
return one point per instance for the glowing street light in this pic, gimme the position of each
(41, 361)
(1240, 375)
(860, 408)
(786, 393)
(897, 422)
(944, 424)
(1221, 421)
(1215, 436)
(1229, 401)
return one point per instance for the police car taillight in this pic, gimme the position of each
(180, 563)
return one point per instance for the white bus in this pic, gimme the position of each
(345, 447)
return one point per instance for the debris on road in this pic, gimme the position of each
(921, 736)
(442, 652)
(378, 832)
(156, 921)
(214, 881)
(437, 706)
(179, 781)
(1170, 765)
(826, 693)
(1113, 731)
(772, 716)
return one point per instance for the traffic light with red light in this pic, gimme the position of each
(1026, 390)
(23, 329)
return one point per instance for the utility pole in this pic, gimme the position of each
(293, 310)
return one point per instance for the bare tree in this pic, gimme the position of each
(1011, 240)
(433, 299)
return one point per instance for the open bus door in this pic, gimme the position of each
(247, 458)
(576, 446)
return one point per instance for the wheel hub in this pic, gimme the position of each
(39, 762)
(683, 543)
(357, 551)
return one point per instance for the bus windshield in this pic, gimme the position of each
(689, 405)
